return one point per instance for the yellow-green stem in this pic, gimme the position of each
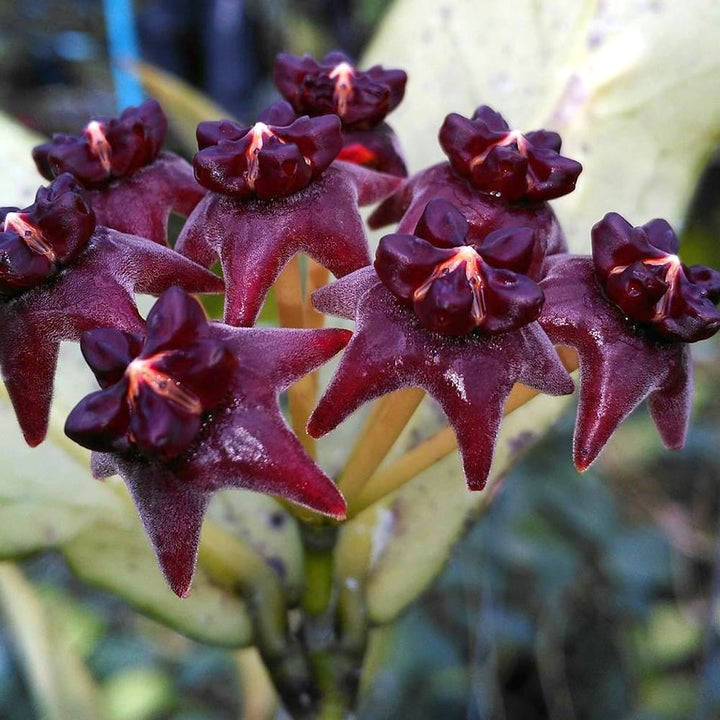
(302, 395)
(388, 417)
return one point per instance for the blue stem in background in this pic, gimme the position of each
(123, 49)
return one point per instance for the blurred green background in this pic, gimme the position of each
(575, 597)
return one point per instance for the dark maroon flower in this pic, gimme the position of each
(132, 185)
(504, 162)
(60, 276)
(265, 161)
(639, 270)
(470, 376)
(360, 99)
(485, 209)
(629, 313)
(335, 86)
(191, 407)
(457, 286)
(262, 212)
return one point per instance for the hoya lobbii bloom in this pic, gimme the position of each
(452, 315)
(188, 407)
(630, 311)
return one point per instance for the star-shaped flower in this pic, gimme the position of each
(132, 186)
(191, 407)
(272, 196)
(630, 311)
(438, 314)
(60, 276)
(496, 176)
(361, 99)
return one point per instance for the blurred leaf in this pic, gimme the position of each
(139, 694)
(61, 684)
(19, 179)
(669, 637)
(633, 88)
(120, 560)
(47, 494)
(185, 106)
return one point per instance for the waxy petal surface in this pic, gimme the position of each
(470, 377)
(619, 368)
(245, 443)
(255, 240)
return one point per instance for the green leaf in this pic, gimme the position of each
(120, 560)
(633, 88)
(61, 685)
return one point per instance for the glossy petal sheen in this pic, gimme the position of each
(470, 377)
(619, 368)
(97, 290)
(244, 444)
(254, 240)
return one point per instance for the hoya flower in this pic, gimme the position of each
(630, 311)
(132, 186)
(61, 275)
(186, 408)
(498, 176)
(275, 191)
(361, 99)
(453, 317)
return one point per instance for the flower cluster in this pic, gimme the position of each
(467, 297)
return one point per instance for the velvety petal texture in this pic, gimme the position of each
(133, 186)
(240, 440)
(470, 376)
(90, 283)
(619, 365)
(255, 239)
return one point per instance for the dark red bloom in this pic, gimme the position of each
(265, 161)
(640, 272)
(491, 196)
(132, 185)
(360, 99)
(630, 311)
(505, 162)
(262, 211)
(191, 408)
(60, 276)
(470, 376)
(335, 86)
(456, 284)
